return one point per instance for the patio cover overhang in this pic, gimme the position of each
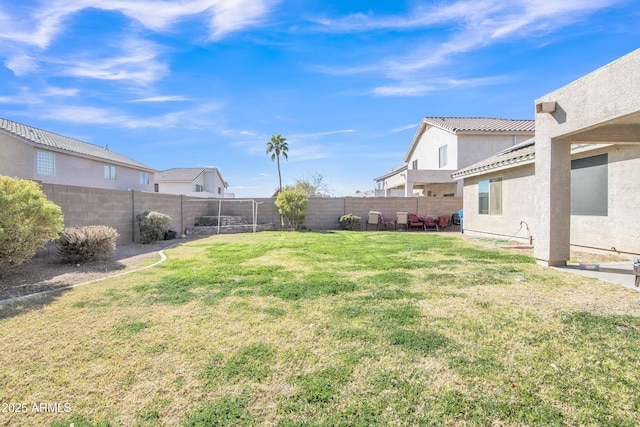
(602, 107)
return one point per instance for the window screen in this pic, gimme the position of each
(590, 186)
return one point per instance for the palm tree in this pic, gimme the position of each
(277, 146)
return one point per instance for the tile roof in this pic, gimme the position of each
(392, 172)
(53, 140)
(519, 154)
(182, 174)
(481, 124)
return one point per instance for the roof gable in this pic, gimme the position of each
(184, 174)
(472, 126)
(56, 142)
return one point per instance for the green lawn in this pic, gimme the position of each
(326, 329)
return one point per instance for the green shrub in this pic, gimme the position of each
(152, 225)
(28, 220)
(292, 205)
(88, 243)
(350, 222)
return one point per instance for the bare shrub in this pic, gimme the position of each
(82, 244)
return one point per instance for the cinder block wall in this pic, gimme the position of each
(118, 209)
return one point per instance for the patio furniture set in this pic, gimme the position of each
(409, 221)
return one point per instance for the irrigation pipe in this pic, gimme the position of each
(163, 258)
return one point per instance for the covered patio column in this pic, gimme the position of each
(552, 230)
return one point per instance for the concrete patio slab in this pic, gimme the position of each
(613, 272)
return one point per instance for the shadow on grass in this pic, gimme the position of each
(24, 305)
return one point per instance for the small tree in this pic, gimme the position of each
(292, 205)
(152, 225)
(28, 220)
(314, 185)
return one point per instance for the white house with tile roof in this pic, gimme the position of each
(443, 145)
(39, 155)
(578, 185)
(197, 182)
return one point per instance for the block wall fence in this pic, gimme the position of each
(118, 209)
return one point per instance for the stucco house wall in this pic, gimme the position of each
(426, 151)
(16, 158)
(618, 231)
(465, 141)
(472, 148)
(517, 205)
(74, 162)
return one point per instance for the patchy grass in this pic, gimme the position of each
(324, 329)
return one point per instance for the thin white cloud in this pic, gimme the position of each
(411, 88)
(402, 128)
(137, 62)
(173, 98)
(478, 23)
(40, 26)
(319, 134)
(193, 118)
(22, 64)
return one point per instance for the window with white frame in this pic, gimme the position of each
(414, 165)
(490, 197)
(109, 172)
(442, 156)
(144, 178)
(199, 188)
(46, 163)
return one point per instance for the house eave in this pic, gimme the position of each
(495, 167)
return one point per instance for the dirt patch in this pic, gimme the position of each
(47, 272)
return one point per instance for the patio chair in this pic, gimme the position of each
(402, 219)
(414, 221)
(443, 221)
(387, 223)
(373, 219)
(430, 223)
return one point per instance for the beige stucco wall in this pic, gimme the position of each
(212, 183)
(517, 205)
(601, 107)
(426, 151)
(19, 159)
(620, 229)
(16, 158)
(474, 148)
(72, 170)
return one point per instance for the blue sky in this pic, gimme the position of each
(207, 82)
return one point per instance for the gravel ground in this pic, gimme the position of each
(46, 272)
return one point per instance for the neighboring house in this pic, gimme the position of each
(197, 182)
(443, 145)
(39, 155)
(579, 183)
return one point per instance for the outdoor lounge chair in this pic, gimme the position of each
(386, 223)
(430, 222)
(373, 219)
(402, 219)
(415, 221)
(443, 221)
